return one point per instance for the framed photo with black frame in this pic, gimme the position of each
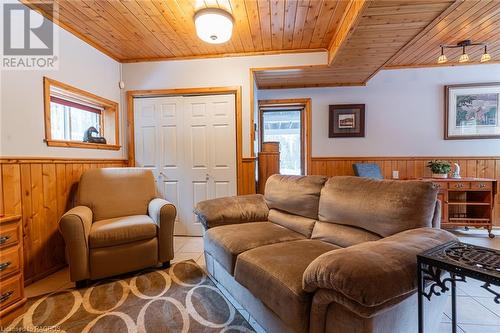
(346, 121)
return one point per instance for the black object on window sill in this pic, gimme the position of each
(88, 136)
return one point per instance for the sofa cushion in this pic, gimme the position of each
(297, 195)
(114, 192)
(300, 224)
(341, 235)
(225, 243)
(384, 207)
(121, 230)
(273, 273)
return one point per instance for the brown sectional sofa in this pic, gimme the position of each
(325, 255)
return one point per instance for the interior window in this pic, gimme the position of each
(79, 119)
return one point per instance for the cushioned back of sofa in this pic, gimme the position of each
(115, 192)
(297, 195)
(297, 223)
(384, 207)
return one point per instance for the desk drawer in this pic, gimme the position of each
(481, 186)
(9, 235)
(10, 291)
(440, 185)
(10, 260)
(459, 185)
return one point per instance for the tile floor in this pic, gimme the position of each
(477, 313)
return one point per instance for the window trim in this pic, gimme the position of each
(108, 105)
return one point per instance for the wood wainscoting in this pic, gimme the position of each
(41, 190)
(411, 168)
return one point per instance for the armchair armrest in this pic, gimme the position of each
(74, 226)
(373, 275)
(232, 210)
(164, 213)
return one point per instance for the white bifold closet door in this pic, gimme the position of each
(190, 145)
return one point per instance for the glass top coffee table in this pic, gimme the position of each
(461, 261)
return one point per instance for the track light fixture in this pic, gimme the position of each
(464, 57)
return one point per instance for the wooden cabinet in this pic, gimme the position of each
(11, 268)
(466, 202)
(269, 163)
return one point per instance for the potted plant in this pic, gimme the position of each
(440, 169)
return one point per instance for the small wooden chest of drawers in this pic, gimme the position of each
(466, 202)
(11, 268)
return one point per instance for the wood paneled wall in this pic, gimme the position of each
(412, 168)
(41, 190)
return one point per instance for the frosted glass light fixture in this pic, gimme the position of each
(485, 57)
(464, 57)
(213, 25)
(442, 58)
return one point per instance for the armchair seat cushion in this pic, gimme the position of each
(121, 230)
(226, 242)
(273, 273)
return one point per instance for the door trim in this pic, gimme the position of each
(234, 90)
(305, 103)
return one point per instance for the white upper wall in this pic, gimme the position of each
(213, 72)
(404, 113)
(22, 111)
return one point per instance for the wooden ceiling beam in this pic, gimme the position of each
(351, 18)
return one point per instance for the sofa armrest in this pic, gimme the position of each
(164, 213)
(75, 226)
(232, 210)
(374, 273)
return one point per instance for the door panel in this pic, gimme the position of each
(190, 143)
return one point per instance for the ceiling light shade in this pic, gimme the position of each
(442, 58)
(213, 25)
(464, 57)
(485, 57)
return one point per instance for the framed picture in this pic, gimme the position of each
(346, 121)
(471, 111)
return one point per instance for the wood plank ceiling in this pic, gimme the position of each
(398, 34)
(383, 29)
(475, 20)
(135, 30)
(361, 36)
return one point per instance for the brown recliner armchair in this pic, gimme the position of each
(118, 225)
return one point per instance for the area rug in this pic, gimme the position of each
(180, 299)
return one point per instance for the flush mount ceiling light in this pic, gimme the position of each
(464, 57)
(213, 25)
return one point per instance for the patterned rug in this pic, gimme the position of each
(180, 299)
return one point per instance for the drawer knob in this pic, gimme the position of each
(5, 296)
(4, 265)
(4, 239)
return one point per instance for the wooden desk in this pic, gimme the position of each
(11, 268)
(466, 202)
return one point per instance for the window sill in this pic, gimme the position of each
(85, 145)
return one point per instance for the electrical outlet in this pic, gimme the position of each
(395, 174)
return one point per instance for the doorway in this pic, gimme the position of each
(189, 143)
(287, 122)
